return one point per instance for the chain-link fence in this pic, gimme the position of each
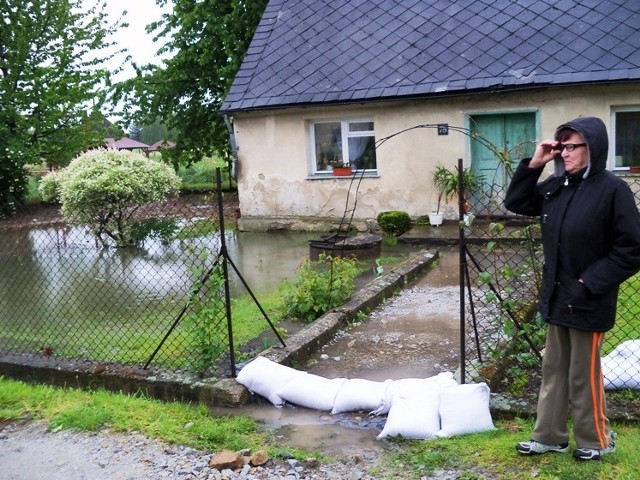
(160, 303)
(504, 335)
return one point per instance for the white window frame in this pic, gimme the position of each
(612, 139)
(345, 134)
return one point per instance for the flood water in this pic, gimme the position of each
(412, 335)
(51, 263)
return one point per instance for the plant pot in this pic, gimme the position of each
(435, 219)
(634, 169)
(342, 171)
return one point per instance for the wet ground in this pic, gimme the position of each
(414, 334)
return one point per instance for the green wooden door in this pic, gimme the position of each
(498, 143)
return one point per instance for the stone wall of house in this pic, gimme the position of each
(277, 190)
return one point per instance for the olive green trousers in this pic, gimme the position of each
(572, 380)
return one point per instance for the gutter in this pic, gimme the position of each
(234, 147)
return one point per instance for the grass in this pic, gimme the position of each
(627, 324)
(174, 423)
(475, 456)
(201, 175)
(494, 453)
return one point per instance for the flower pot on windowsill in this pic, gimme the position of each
(342, 171)
(634, 169)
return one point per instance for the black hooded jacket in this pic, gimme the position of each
(590, 230)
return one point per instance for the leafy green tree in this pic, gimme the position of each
(50, 76)
(156, 131)
(103, 189)
(207, 40)
(134, 132)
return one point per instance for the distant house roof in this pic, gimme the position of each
(154, 147)
(307, 52)
(125, 143)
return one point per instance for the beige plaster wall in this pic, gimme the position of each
(276, 190)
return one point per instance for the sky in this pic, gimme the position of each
(140, 44)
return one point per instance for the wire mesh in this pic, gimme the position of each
(65, 296)
(504, 336)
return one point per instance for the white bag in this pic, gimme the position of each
(312, 391)
(358, 394)
(414, 414)
(620, 372)
(405, 386)
(267, 378)
(465, 409)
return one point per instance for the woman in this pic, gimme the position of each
(591, 244)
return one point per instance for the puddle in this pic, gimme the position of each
(313, 430)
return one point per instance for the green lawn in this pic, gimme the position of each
(476, 456)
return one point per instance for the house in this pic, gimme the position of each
(425, 82)
(126, 143)
(161, 144)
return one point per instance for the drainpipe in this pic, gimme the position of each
(234, 147)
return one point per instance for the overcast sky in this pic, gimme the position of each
(139, 14)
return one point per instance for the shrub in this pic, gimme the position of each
(103, 189)
(49, 187)
(394, 222)
(321, 285)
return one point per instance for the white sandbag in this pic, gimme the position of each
(627, 349)
(620, 372)
(465, 409)
(358, 394)
(414, 415)
(267, 378)
(312, 391)
(406, 386)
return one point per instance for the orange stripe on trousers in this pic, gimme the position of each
(596, 391)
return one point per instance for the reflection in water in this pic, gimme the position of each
(62, 273)
(62, 292)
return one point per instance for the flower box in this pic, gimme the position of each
(342, 171)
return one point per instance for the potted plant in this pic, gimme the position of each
(440, 175)
(340, 168)
(446, 183)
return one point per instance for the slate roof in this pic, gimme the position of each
(308, 52)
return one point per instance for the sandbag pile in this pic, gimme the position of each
(415, 407)
(621, 367)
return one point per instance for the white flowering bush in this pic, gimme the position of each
(103, 189)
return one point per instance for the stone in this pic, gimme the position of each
(226, 459)
(259, 458)
(311, 462)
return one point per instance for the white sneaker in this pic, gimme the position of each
(595, 453)
(531, 447)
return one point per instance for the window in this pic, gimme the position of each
(351, 141)
(627, 140)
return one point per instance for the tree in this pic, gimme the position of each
(51, 86)
(208, 40)
(103, 189)
(155, 132)
(134, 132)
